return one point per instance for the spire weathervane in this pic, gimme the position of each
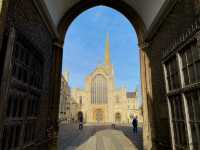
(107, 50)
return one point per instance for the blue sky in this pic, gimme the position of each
(84, 47)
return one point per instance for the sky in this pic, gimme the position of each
(84, 47)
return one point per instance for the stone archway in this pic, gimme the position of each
(140, 29)
(118, 117)
(120, 6)
(80, 115)
(98, 115)
(175, 27)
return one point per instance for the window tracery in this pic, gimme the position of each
(99, 93)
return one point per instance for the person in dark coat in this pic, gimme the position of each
(135, 124)
(81, 122)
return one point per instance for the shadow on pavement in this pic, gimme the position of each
(70, 137)
(135, 138)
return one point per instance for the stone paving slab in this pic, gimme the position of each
(98, 137)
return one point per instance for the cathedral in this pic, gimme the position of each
(32, 36)
(100, 101)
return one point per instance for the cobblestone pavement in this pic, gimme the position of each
(99, 137)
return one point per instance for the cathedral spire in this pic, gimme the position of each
(107, 50)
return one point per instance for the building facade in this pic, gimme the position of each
(100, 101)
(65, 98)
(133, 110)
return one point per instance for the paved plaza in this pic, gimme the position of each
(99, 137)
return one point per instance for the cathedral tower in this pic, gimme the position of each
(107, 51)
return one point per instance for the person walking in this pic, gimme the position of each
(81, 122)
(135, 124)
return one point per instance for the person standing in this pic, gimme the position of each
(135, 124)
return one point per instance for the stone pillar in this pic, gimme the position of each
(145, 72)
(55, 83)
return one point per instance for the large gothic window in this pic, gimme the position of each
(99, 93)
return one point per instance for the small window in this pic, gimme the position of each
(190, 58)
(172, 75)
(178, 120)
(193, 101)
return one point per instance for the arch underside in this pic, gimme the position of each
(122, 7)
(147, 10)
(142, 14)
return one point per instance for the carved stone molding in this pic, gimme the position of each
(58, 44)
(143, 45)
